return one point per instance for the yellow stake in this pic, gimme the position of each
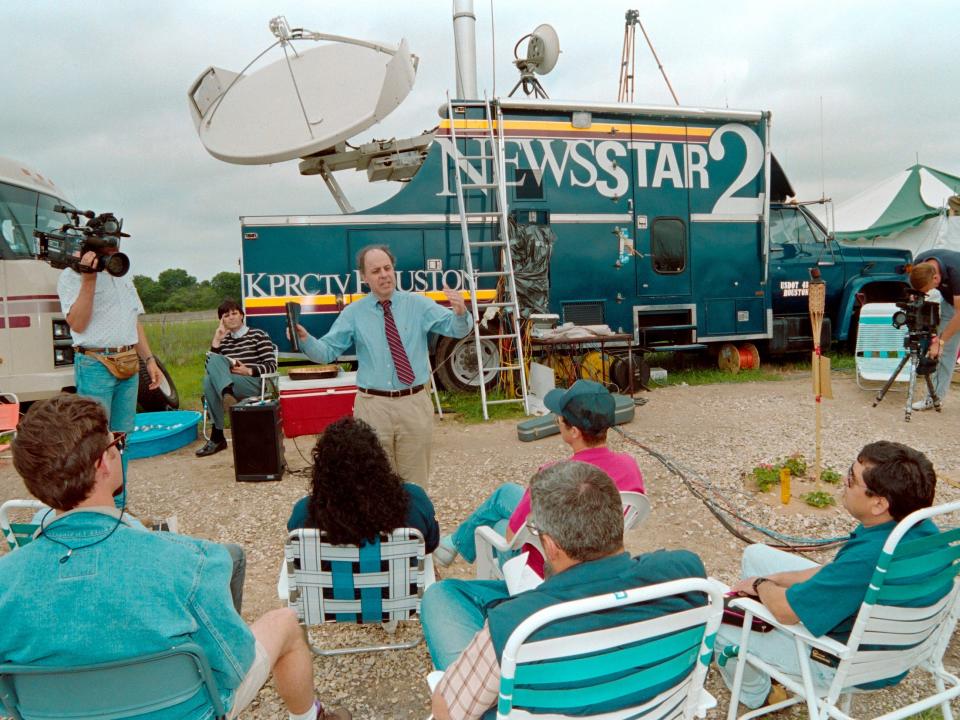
(785, 485)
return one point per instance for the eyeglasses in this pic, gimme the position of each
(534, 530)
(850, 480)
(119, 441)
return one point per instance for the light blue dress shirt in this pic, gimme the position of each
(361, 324)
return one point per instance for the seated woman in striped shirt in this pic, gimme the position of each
(238, 356)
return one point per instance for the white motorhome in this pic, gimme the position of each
(36, 357)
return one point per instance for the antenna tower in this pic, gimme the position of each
(627, 59)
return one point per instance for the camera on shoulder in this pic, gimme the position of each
(99, 233)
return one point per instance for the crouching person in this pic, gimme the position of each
(115, 590)
(885, 483)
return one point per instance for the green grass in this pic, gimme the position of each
(469, 410)
(182, 347)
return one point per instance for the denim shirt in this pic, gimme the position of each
(361, 324)
(135, 593)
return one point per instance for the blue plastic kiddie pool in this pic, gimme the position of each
(156, 433)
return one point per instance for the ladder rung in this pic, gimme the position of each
(479, 186)
(498, 337)
(503, 402)
(476, 157)
(482, 213)
(503, 368)
(488, 243)
(491, 273)
(496, 304)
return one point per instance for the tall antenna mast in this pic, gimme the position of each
(625, 93)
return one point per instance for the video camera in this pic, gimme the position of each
(920, 317)
(100, 233)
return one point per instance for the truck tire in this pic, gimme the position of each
(456, 363)
(162, 398)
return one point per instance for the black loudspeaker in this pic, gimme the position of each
(257, 440)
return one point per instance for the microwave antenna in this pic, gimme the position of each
(628, 57)
(543, 51)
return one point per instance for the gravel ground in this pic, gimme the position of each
(719, 432)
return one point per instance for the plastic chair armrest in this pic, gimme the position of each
(761, 611)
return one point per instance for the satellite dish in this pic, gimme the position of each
(543, 50)
(304, 103)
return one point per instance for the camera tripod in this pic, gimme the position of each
(912, 343)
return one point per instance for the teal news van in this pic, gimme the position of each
(669, 224)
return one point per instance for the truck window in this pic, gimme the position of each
(791, 226)
(668, 245)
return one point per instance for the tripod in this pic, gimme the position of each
(912, 342)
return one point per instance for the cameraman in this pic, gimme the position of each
(102, 311)
(940, 270)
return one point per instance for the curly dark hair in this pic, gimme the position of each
(355, 494)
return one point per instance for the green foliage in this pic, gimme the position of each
(175, 290)
(818, 499)
(796, 464)
(766, 476)
(829, 475)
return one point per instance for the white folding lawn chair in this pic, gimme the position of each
(879, 345)
(17, 532)
(888, 637)
(376, 583)
(652, 668)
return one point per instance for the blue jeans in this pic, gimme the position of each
(216, 378)
(493, 512)
(948, 358)
(452, 612)
(118, 397)
(775, 647)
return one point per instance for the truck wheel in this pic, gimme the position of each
(162, 398)
(457, 367)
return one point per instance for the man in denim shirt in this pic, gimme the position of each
(113, 590)
(390, 329)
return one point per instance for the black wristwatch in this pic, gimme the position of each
(757, 583)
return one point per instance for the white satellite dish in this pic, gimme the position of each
(304, 103)
(543, 51)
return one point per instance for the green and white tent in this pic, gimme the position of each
(907, 210)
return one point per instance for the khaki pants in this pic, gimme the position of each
(405, 428)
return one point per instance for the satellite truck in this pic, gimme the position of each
(671, 225)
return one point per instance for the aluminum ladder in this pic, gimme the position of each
(491, 158)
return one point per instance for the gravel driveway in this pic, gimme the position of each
(719, 432)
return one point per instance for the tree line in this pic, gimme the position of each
(175, 290)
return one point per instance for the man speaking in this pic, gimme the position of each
(390, 329)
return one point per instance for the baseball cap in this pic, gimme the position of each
(586, 404)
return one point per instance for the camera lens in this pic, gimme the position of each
(117, 264)
(899, 319)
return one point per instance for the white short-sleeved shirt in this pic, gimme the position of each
(116, 307)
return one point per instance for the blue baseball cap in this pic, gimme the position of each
(586, 405)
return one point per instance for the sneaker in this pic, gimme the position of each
(445, 553)
(778, 694)
(925, 404)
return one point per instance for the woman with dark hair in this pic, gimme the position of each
(355, 494)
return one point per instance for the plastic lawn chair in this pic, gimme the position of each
(18, 534)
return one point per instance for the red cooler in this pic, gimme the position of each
(308, 406)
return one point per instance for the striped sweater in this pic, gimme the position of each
(254, 349)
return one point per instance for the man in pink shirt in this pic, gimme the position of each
(584, 412)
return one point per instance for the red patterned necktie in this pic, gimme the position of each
(400, 361)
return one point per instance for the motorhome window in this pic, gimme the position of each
(527, 187)
(668, 245)
(18, 216)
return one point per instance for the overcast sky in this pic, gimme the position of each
(95, 94)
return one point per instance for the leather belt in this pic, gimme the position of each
(102, 350)
(392, 393)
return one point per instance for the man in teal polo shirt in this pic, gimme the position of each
(887, 482)
(578, 515)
